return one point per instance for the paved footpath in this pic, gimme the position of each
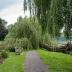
(33, 63)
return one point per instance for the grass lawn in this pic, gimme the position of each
(57, 62)
(14, 63)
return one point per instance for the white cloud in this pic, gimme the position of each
(11, 13)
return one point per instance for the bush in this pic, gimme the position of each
(3, 46)
(3, 49)
(4, 54)
(23, 43)
(11, 49)
(10, 42)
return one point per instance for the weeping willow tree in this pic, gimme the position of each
(60, 15)
(25, 33)
(40, 9)
(53, 15)
(47, 12)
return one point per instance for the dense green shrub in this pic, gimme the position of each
(4, 54)
(10, 42)
(23, 43)
(3, 50)
(3, 46)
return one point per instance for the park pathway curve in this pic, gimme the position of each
(33, 63)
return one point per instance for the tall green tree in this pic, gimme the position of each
(25, 30)
(3, 30)
(53, 15)
(66, 17)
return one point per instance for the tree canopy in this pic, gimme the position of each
(3, 30)
(53, 15)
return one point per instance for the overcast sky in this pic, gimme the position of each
(11, 9)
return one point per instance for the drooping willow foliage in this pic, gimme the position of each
(54, 18)
(40, 9)
(53, 15)
(66, 14)
(25, 33)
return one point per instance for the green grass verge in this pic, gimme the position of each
(14, 63)
(57, 62)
